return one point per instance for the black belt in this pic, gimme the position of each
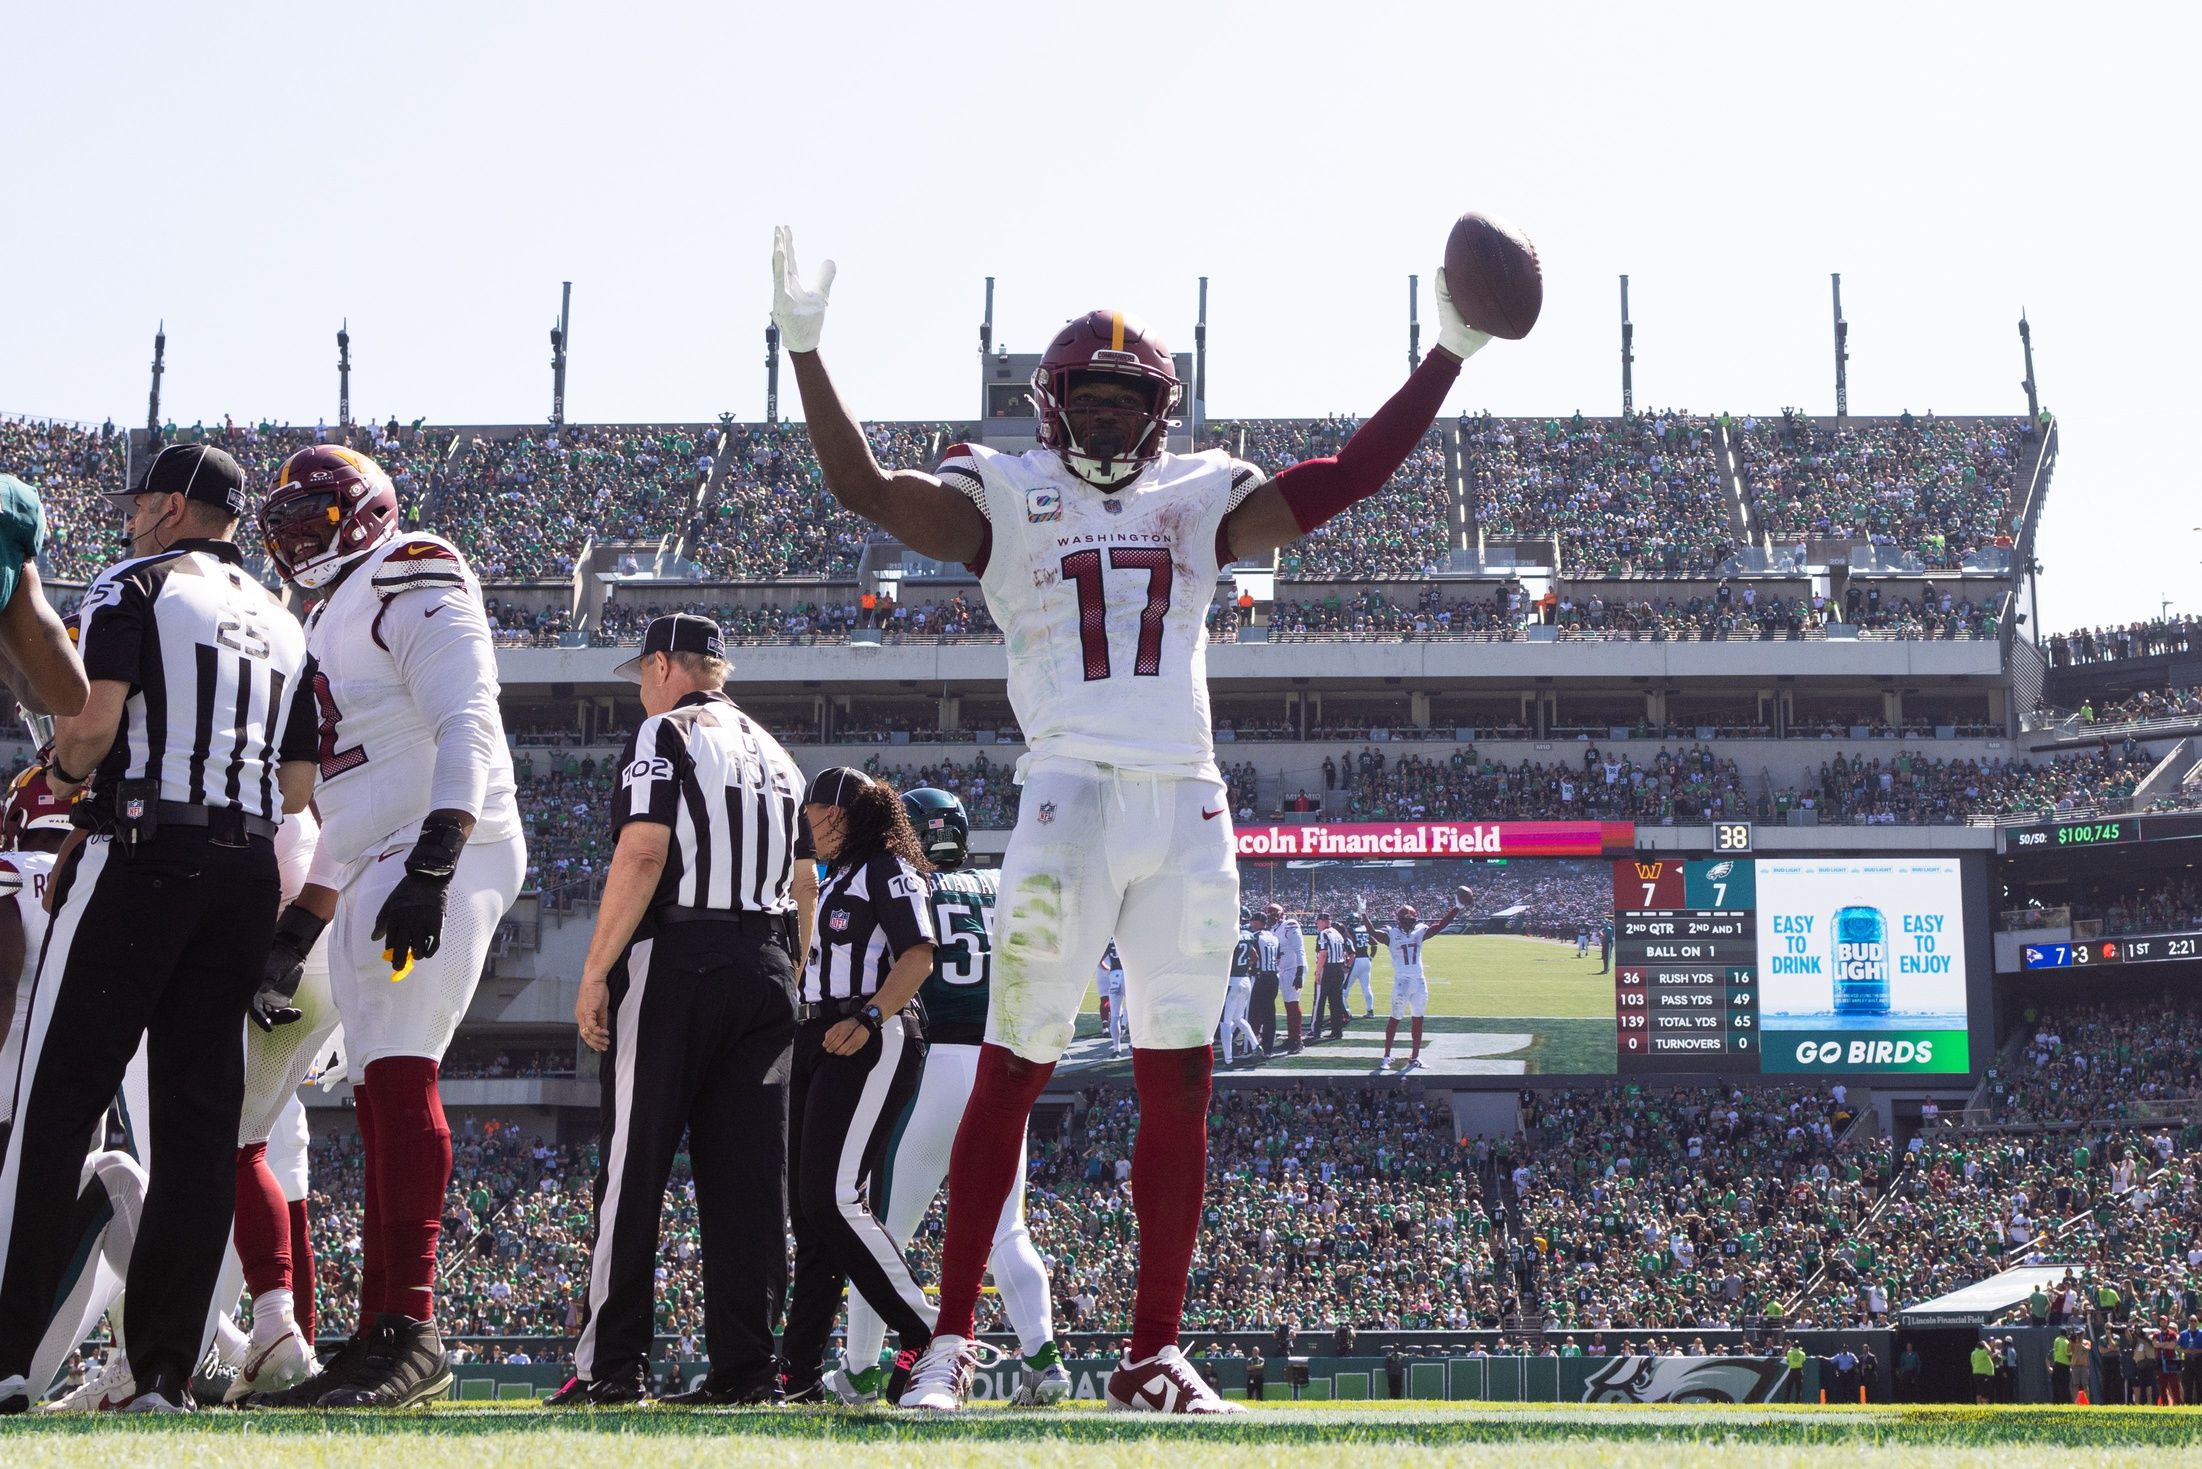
(751, 922)
(230, 822)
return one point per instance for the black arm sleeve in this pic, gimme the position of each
(301, 739)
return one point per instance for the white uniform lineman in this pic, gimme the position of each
(409, 725)
(1124, 826)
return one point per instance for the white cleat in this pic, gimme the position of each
(1163, 1383)
(940, 1380)
(271, 1368)
(103, 1391)
(153, 1402)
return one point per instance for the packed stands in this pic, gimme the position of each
(1406, 533)
(1940, 489)
(1687, 786)
(69, 465)
(522, 507)
(1637, 496)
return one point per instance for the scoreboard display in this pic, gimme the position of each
(1685, 966)
(1834, 965)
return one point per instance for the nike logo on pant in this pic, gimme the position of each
(1210, 815)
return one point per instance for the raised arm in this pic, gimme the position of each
(912, 506)
(1462, 897)
(1316, 491)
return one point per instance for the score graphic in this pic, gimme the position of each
(1685, 965)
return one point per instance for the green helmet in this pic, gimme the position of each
(943, 827)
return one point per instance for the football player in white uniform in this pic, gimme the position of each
(419, 858)
(1291, 968)
(1410, 991)
(1099, 553)
(104, 1214)
(954, 998)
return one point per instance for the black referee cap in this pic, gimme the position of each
(675, 632)
(835, 787)
(195, 471)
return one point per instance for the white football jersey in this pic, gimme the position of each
(24, 877)
(295, 840)
(1103, 599)
(1406, 947)
(402, 650)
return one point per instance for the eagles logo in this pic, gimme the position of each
(1686, 1380)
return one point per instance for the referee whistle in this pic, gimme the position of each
(398, 971)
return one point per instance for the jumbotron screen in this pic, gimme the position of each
(1605, 965)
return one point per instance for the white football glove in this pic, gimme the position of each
(1453, 334)
(800, 313)
(329, 1073)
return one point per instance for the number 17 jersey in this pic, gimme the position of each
(955, 993)
(1103, 599)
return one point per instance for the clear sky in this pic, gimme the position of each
(255, 173)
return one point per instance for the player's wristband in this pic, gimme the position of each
(298, 929)
(436, 854)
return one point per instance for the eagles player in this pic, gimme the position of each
(1363, 939)
(1240, 996)
(419, 858)
(955, 1002)
(1098, 552)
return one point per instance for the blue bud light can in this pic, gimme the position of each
(1861, 961)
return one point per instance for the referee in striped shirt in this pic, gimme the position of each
(857, 1056)
(198, 733)
(689, 985)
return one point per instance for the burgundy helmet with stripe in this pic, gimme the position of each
(330, 506)
(1116, 443)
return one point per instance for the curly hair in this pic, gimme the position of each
(872, 822)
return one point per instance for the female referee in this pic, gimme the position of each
(858, 1048)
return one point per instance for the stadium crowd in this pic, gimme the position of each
(2142, 639)
(1940, 489)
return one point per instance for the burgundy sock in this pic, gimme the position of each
(1169, 1168)
(1416, 1022)
(373, 1271)
(1391, 1032)
(263, 1228)
(1292, 1018)
(302, 1310)
(415, 1143)
(982, 1168)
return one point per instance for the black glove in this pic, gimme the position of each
(295, 933)
(411, 920)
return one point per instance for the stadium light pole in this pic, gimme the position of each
(1200, 363)
(2026, 344)
(344, 375)
(1842, 353)
(772, 372)
(153, 401)
(1628, 355)
(561, 338)
(1414, 322)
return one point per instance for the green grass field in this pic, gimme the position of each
(1302, 1437)
(1480, 984)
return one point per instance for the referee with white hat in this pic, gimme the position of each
(689, 987)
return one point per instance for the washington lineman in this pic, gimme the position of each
(955, 1000)
(1098, 554)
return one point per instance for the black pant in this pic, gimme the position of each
(1261, 1010)
(1330, 998)
(702, 1017)
(2060, 1383)
(166, 944)
(840, 1112)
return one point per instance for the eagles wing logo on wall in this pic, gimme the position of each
(1686, 1380)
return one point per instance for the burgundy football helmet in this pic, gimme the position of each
(32, 806)
(1406, 917)
(330, 506)
(1107, 344)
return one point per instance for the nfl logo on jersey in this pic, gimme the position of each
(838, 920)
(1043, 504)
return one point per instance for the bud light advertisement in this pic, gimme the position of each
(1862, 965)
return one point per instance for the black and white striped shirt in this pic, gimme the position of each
(868, 914)
(221, 689)
(730, 794)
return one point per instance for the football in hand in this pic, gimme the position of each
(1492, 275)
(1465, 896)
